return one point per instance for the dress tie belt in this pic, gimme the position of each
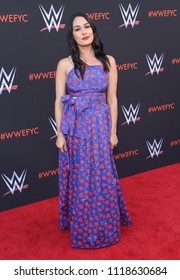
(73, 114)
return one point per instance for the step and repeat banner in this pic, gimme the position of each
(143, 36)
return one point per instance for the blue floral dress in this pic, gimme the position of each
(90, 195)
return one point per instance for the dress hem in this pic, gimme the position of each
(96, 246)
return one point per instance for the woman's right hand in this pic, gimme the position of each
(61, 143)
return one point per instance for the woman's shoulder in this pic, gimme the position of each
(111, 59)
(64, 64)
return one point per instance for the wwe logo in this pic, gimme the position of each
(131, 113)
(51, 18)
(155, 63)
(154, 148)
(15, 182)
(129, 16)
(6, 81)
(54, 126)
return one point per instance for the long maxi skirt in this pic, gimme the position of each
(91, 200)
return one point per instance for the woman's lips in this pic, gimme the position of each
(85, 38)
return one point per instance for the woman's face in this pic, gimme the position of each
(82, 32)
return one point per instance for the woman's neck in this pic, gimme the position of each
(86, 53)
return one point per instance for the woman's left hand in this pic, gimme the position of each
(113, 140)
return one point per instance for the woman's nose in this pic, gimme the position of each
(83, 31)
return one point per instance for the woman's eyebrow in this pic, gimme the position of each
(79, 25)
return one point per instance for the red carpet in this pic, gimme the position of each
(31, 232)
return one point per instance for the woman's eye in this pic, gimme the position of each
(76, 29)
(87, 26)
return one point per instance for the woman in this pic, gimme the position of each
(91, 199)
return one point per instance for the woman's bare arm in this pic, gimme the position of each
(60, 91)
(112, 99)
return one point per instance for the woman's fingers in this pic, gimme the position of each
(61, 144)
(63, 148)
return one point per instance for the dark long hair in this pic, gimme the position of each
(97, 45)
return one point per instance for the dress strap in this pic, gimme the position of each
(70, 59)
